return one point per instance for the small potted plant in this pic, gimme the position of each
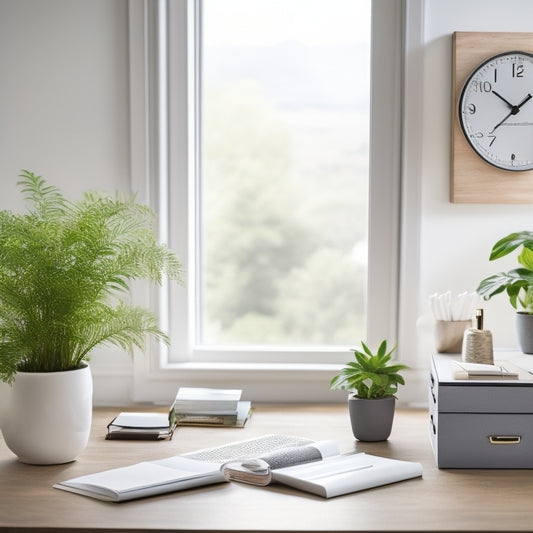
(518, 283)
(65, 271)
(372, 383)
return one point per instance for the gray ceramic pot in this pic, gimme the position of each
(524, 329)
(371, 419)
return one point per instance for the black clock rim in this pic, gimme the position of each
(460, 102)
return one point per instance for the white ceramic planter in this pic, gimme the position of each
(46, 417)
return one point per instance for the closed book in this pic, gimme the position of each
(237, 419)
(141, 426)
(206, 401)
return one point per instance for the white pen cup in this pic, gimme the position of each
(449, 335)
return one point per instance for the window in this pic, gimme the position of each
(276, 181)
(244, 159)
(283, 196)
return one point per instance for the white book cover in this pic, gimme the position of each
(141, 420)
(145, 479)
(193, 400)
(342, 474)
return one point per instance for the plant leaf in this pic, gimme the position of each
(366, 349)
(497, 283)
(511, 242)
(526, 258)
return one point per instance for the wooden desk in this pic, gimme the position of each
(444, 500)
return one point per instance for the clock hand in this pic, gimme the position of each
(503, 120)
(528, 97)
(514, 110)
(502, 98)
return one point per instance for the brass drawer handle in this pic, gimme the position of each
(505, 439)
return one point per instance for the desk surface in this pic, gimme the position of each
(443, 500)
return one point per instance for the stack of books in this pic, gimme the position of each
(211, 407)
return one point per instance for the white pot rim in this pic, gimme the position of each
(84, 365)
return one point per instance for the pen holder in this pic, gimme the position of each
(449, 335)
(477, 346)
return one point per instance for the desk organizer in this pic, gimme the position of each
(479, 423)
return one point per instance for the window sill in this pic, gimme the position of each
(275, 382)
(280, 369)
(260, 382)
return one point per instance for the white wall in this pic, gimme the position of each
(64, 114)
(64, 94)
(456, 239)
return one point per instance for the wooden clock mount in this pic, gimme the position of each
(474, 180)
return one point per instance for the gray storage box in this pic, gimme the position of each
(479, 423)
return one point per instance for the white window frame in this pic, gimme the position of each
(163, 48)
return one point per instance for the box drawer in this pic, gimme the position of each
(482, 440)
(476, 396)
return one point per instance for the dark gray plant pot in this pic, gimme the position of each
(371, 419)
(524, 329)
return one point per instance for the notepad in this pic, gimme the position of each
(504, 370)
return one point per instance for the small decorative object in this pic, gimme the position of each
(372, 384)
(452, 317)
(518, 284)
(449, 335)
(493, 106)
(65, 269)
(477, 343)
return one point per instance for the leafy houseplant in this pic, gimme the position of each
(65, 270)
(370, 376)
(64, 274)
(517, 283)
(373, 383)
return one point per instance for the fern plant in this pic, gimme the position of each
(370, 376)
(65, 270)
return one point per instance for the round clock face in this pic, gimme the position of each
(496, 110)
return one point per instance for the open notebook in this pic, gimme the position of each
(314, 467)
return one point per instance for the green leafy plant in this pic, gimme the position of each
(518, 283)
(65, 270)
(370, 376)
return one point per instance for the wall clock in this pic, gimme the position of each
(492, 123)
(498, 124)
